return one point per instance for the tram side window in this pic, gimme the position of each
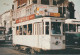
(29, 29)
(66, 27)
(47, 27)
(43, 29)
(72, 27)
(20, 28)
(78, 28)
(55, 28)
(17, 30)
(24, 29)
(1, 32)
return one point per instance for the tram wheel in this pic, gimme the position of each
(33, 51)
(28, 50)
(17, 47)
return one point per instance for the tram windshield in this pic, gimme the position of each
(55, 27)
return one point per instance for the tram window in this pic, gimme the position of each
(46, 2)
(47, 27)
(66, 27)
(55, 28)
(17, 30)
(72, 27)
(78, 28)
(40, 26)
(20, 32)
(24, 29)
(29, 29)
(43, 28)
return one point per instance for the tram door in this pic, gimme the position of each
(38, 31)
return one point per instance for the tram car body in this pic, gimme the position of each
(2, 34)
(43, 33)
(72, 32)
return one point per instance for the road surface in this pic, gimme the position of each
(7, 49)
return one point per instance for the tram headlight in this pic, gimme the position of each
(76, 42)
(57, 42)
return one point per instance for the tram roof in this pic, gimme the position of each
(37, 20)
(72, 21)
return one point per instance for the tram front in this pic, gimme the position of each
(57, 34)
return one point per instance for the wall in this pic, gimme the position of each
(7, 20)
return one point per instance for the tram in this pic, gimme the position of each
(43, 33)
(2, 34)
(72, 32)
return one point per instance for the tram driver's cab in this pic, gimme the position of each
(54, 30)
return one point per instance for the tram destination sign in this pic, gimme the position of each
(23, 19)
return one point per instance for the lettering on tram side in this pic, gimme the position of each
(19, 20)
(55, 14)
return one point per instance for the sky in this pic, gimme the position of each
(77, 8)
(6, 5)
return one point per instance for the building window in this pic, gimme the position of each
(46, 2)
(62, 10)
(29, 1)
(54, 2)
(30, 11)
(27, 12)
(35, 1)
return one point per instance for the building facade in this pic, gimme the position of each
(24, 8)
(7, 21)
(0, 21)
